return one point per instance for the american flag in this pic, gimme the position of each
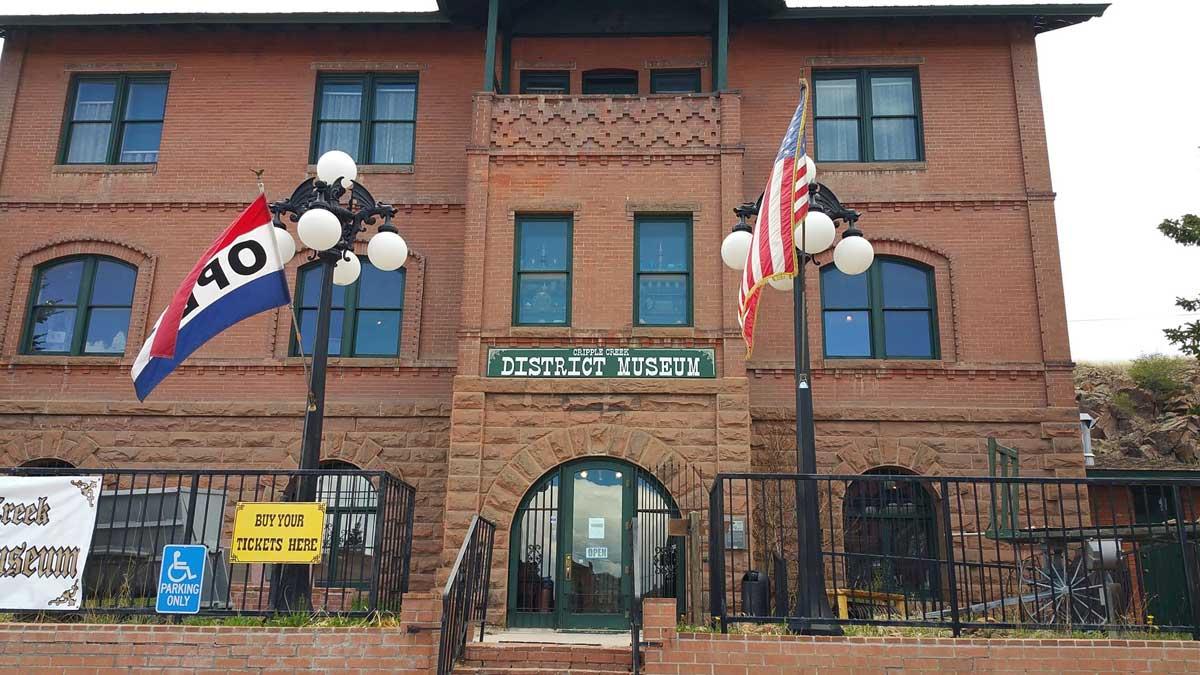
(784, 203)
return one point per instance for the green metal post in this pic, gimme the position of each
(489, 49)
(721, 67)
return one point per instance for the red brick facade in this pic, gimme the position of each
(978, 210)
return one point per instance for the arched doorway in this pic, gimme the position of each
(891, 535)
(576, 556)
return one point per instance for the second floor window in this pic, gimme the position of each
(367, 315)
(114, 119)
(542, 287)
(887, 312)
(662, 275)
(548, 82)
(675, 81)
(80, 306)
(371, 117)
(867, 116)
(610, 81)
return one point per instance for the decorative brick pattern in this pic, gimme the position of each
(589, 124)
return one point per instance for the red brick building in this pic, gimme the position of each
(564, 179)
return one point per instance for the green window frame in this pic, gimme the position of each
(91, 299)
(675, 81)
(124, 123)
(877, 312)
(610, 82)
(351, 507)
(531, 266)
(657, 273)
(866, 117)
(351, 311)
(373, 126)
(547, 82)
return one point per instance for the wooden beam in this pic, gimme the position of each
(489, 56)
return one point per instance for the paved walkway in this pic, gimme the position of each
(544, 636)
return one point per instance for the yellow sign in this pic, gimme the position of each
(278, 532)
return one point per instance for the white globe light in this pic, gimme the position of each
(336, 164)
(853, 255)
(319, 229)
(387, 251)
(818, 231)
(347, 184)
(285, 245)
(810, 173)
(784, 284)
(346, 271)
(736, 248)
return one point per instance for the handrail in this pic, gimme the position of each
(464, 598)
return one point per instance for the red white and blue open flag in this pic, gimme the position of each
(238, 276)
(784, 204)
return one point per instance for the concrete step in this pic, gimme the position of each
(519, 658)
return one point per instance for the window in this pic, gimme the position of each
(367, 315)
(370, 117)
(80, 305)
(542, 287)
(867, 116)
(351, 503)
(1153, 503)
(890, 536)
(662, 289)
(675, 81)
(545, 82)
(888, 312)
(115, 119)
(614, 82)
(47, 463)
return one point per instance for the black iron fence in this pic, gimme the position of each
(364, 566)
(962, 552)
(464, 599)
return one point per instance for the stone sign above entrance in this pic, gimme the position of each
(592, 362)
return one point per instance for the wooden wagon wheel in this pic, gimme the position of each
(1058, 590)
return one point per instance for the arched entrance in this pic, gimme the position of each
(891, 535)
(576, 556)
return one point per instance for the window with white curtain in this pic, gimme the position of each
(867, 116)
(114, 119)
(372, 117)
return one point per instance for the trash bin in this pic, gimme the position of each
(756, 594)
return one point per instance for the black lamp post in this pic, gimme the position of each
(329, 211)
(853, 255)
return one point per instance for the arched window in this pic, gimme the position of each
(47, 463)
(367, 315)
(79, 305)
(890, 536)
(351, 502)
(888, 312)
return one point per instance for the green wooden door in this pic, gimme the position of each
(597, 569)
(1165, 585)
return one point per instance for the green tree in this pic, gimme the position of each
(1186, 231)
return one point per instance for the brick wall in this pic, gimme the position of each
(733, 654)
(87, 648)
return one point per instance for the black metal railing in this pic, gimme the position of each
(963, 552)
(364, 566)
(465, 596)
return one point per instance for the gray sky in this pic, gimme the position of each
(1122, 106)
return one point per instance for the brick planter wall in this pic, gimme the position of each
(673, 652)
(75, 648)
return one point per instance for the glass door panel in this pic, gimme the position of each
(596, 576)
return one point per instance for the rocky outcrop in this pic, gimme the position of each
(1136, 424)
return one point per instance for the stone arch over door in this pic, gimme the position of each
(501, 498)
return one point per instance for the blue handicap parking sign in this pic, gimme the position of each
(181, 579)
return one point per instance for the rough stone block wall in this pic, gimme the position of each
(407, 440)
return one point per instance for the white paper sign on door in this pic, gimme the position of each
(595, 528)
(46, 525)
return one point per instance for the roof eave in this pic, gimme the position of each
(201, 18)
(1047, 17)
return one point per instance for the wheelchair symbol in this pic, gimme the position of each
(179, 571)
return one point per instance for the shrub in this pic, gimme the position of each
(1162, 376)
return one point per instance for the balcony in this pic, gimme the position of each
(607, 125)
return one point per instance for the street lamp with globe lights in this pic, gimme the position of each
(329, 212)
(852, 255)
